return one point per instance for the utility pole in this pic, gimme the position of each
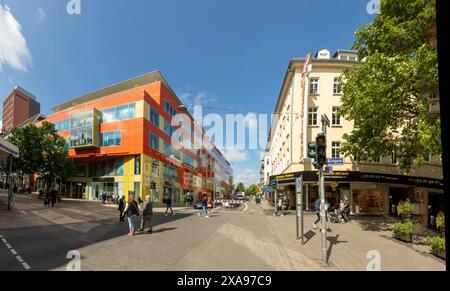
(321, 143)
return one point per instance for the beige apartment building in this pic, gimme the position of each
(311, 89)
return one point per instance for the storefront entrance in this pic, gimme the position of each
(173, 193)
(368, 201)
(78, 190)
(100, 186)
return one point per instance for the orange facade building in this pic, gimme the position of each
(120, 138)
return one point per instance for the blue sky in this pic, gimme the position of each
(226, 54)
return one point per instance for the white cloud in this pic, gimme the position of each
(196, 98)
(236, 156)
(41, 15)
(247, 176)
(13, 46)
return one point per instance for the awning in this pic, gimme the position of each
(7, 149)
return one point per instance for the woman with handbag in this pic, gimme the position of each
(132, 211)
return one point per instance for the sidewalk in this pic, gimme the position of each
(155, 209)
(349, 244)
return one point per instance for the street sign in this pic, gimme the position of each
(299, 207)
(336, 161)
(299, 185)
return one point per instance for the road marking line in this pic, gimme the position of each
(14, 252)
(23, 212)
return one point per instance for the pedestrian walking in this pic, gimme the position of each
(132, 212)
(204, 207)
(168, 202)
(147, 215)
(12, 197)
(280, 206)
(104, 197)
(53, 198)
(121, 208)
(139, 200)
(317, 207)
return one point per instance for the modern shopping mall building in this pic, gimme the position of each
(120, 139)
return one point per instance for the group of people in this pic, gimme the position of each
(342, 212)
(283, 205)
(133, 210)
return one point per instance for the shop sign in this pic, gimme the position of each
(137, 165)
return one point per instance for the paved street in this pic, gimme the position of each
(247, 238)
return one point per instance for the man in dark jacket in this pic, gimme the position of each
(168, 202)
(121, 208)
(147, 215)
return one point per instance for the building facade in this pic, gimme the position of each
(121, 140)
(311, 89)
(18, 107)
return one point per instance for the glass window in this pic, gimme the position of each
(137, 189)
(336, 118)
(167, 128)
(188, 160)
(109, 115)
(119, 167)
(170, 173)
(154, 117)
(132, 111)
(63, 125)
(394, 159)
(336, 149)
(337, 86)
(155, 169)
(312, 115)
(122, 112)
(154, 142)
(111, 138)
(314, 86)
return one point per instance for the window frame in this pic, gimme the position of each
(311, 114)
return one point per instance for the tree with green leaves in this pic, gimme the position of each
(42, 152)
(240, 187)
(252, 190)
(57, 164)
(29, 140)
(388, 95)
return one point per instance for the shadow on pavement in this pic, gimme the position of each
(45, 247)
(309, 235)
(164, 229)
(333, 241)
(374, 222)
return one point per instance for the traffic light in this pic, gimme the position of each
(321, 143)
(153, 185)
(312, 151)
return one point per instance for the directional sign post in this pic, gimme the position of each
(299, 204)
